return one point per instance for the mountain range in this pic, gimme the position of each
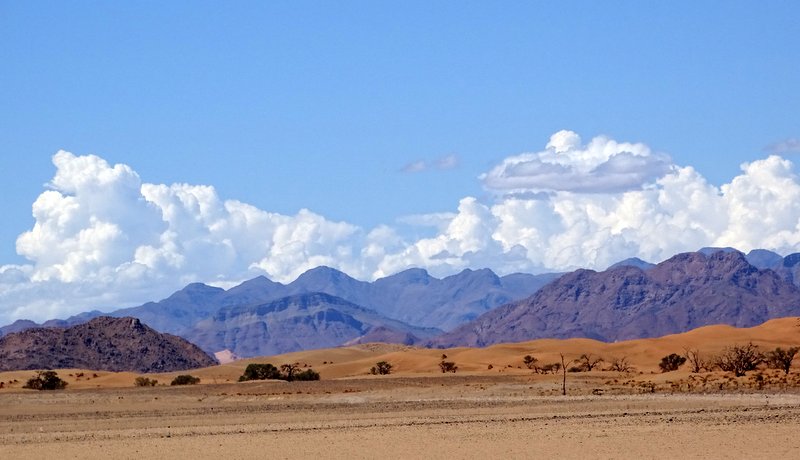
(103, 343)
(326, 308)
(625, 302)
(261, 316)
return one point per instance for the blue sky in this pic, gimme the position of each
(321, 105)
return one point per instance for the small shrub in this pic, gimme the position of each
(448, 366)
(45, 380)
(185, 379)
(381, 368)
(671, 362)
(529, 361)
(145, 382)
(306, 375)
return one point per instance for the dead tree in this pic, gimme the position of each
(781, 359)
(696, 362)
(564, 365)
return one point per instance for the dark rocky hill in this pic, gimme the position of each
(682, 293)
(103, 343)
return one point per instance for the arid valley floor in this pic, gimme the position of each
(418, 412)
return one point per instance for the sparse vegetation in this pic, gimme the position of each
(551, 368)
(620, 365)
(185, 379)
(671, 362)
(587, 362)
(530, 362)
(255, 371)
(696, 362)
(381, 368)
(45, 380)
(306, 375)
(288, 370)
(267, 371)
(564, 365)
(739, 359)
(145, 382)
(781, 359)
(447, 366)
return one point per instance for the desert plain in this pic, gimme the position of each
(492, 407)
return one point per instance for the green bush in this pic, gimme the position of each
(288, 372)
(45, 380)
(145, 382)
(671, 362)
(185, 380)
(260, 372)
(307, 375)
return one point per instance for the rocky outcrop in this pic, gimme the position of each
(103, 343)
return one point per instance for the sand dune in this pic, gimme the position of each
(355, 361)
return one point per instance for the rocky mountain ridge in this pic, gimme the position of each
(103, 343)
(684, 292)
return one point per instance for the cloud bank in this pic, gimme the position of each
(103, 238)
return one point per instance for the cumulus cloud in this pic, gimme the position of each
(104, 238)
(443, 163)
(603, 165)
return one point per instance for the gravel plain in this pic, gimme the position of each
(395, 417)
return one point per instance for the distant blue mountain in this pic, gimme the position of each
(633, 262)
(413, 305)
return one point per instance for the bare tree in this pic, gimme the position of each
(564, 365)
(739, 359)
(587, 362)
(781, 359)
(620, 364)
(696, 362)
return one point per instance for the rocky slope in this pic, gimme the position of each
(684, 292)
(299, 322)
(103, 343)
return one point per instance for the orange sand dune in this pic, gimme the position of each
(355, 361)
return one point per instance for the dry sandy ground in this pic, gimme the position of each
(494, 407)
(453, 416)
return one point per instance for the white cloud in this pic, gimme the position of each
(444, 163)
(102, 238)
(602, 165)
(447, 162)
